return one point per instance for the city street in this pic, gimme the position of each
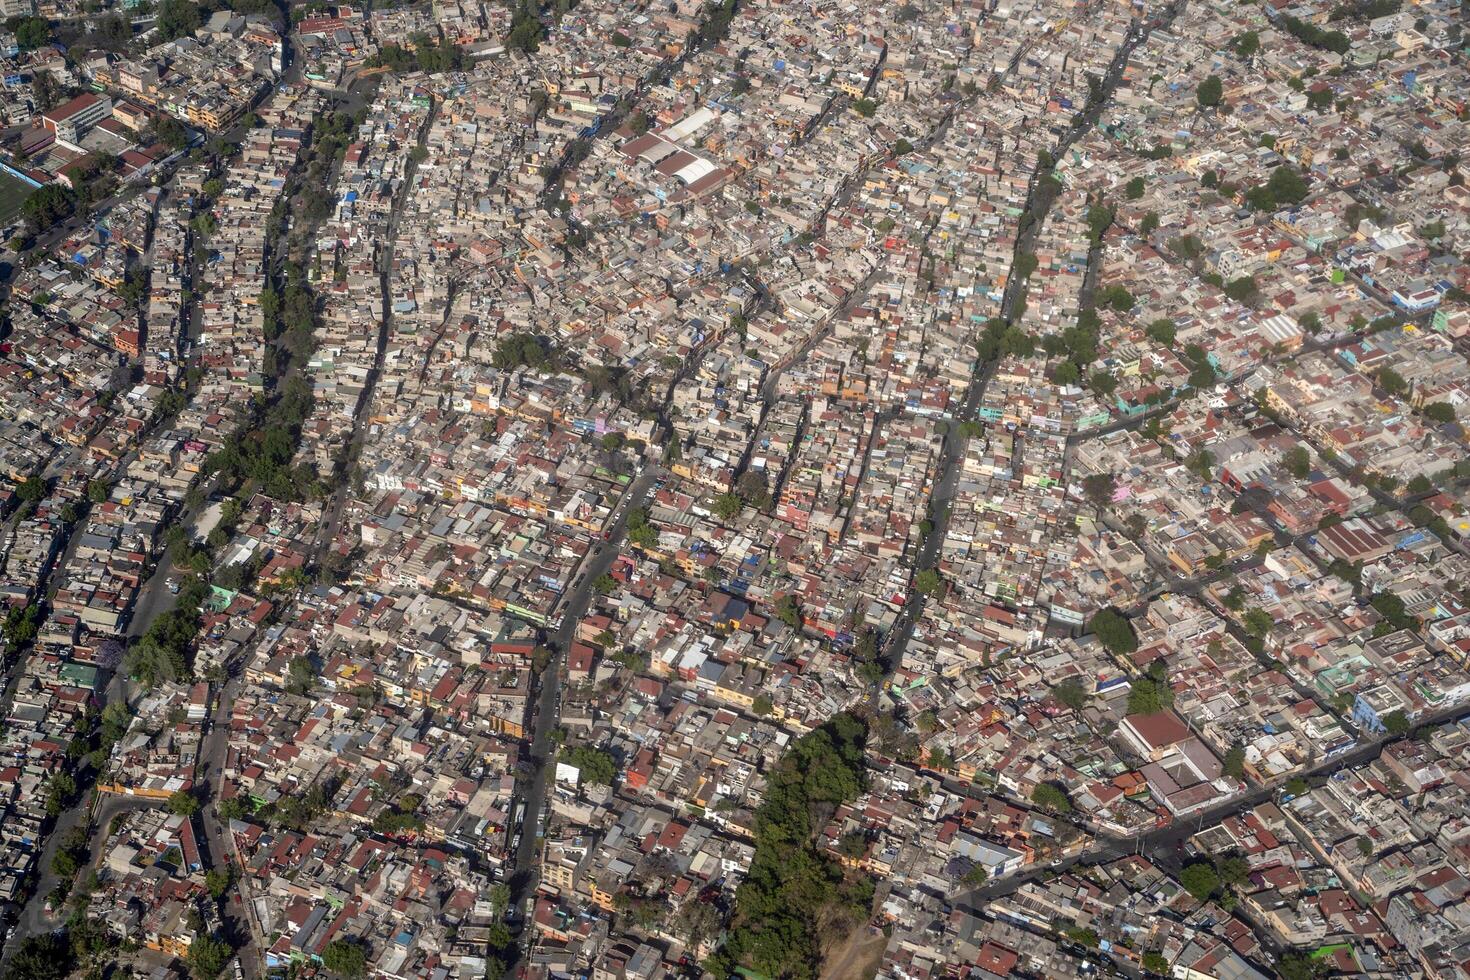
(570, 610)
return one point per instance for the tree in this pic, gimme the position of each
(1298, 461)
(1286, 184)
(1161, 331)
(499, 896)
(1117, 298)
(1209, 92)
(1246, 44)
(1395, 615)
(1392, 382)
(853, 844)
(43, 957)
(116, 718)
(1419, 484)
(1257, 622)
(791, 886)
(1099, 488)
(1200, 880)
(1134, 189)
(751, 487)
(1085, 936)
(217, 882)
(207, 957)
(1396, 723)
(928, 581)
(345, 958)
(64, 865)
(32, 33)
(595, 766)
(1441, 412)
(169, 131)
(112, 33)
(301, 676)
(788, 610)
(1051, 798)
(177, 18)
(1156, 962)
(1298, 966)
(976, 876)
(21, 625)
(762, 705)
(1149, 695)
(697, 922)
(727, 506)
(231, 809)
(183, 803)
(47, 206)
(525, 32)
(522, 350)
(60, 788)
(1070, 693)
(1113, 631)
(1234, 762)
(1241, 289)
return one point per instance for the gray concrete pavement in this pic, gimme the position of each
(571, 609)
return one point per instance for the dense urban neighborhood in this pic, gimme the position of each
(734, 488)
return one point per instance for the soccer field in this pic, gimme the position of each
(13, 193)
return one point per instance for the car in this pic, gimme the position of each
(173, 585)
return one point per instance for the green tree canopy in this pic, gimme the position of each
(177, 18)
(1113, 631)
(1071, 693)
(345, 958)
(1051, 798)
(791, 884)
(32, 33)
(183, 803)
(207, 957)
(1200, 880)
(1209, 92)
(595, 765)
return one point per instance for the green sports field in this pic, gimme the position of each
(13, 193)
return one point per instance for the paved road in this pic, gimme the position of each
(214, 841)
(1161, 844)
(571, 609)
(332, 518)
(34, 919)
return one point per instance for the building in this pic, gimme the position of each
(71, 120)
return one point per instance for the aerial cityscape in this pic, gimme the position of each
(619, 490)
